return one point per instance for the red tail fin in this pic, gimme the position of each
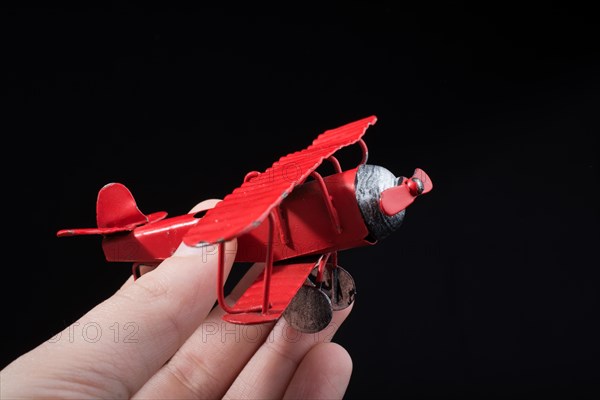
(116, 211)
(116, 207)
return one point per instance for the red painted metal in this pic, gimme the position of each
(283, 232)
(304, 227)
(321, 267)
(148, 243)
(268, 266)
(267, 190)
(365, 151)
(335, 219)
(221, 279)
(306, 220)
(285, 282)
(116, 211)
(276, 216)
(396, 199)
(336, 164)
(251, 175)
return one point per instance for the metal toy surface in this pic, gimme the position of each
(278, 217)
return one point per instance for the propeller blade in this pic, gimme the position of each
(397, 198)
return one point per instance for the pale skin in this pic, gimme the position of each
(178, 345)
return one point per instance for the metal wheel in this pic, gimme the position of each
(338, 285)
(309, 311)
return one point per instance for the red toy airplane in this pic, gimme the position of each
(296, 227)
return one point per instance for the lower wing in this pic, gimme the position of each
(286, 280)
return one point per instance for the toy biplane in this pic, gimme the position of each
(295, 225)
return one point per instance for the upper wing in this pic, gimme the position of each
(248, 205)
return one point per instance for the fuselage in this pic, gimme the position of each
(303, 226)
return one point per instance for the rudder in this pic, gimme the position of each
(116, 207)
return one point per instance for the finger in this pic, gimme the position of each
(117, 346)
(204, 205)
(208, 362)
(142, 269)
(127, 283)
(324, 373)
(270, 370)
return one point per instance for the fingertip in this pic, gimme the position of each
(339, 356)
(324, 373)
(208, 252)
(336, 359)
(204, 205)
(127, 283)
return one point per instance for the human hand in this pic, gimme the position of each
(163, 339)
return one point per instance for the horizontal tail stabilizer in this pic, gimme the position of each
(116, 211)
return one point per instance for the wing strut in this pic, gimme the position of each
(365, 151)
(264, 309)
(335, 219)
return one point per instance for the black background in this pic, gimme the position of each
(491, 285)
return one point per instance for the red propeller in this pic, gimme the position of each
(397, 198)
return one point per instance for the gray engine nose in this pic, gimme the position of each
(371, 180)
